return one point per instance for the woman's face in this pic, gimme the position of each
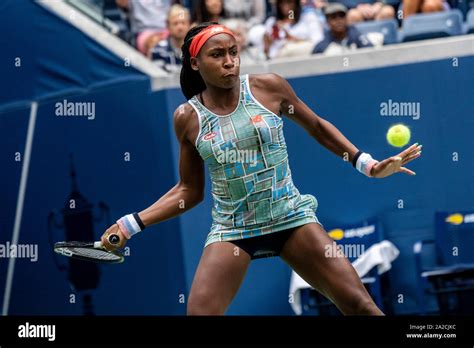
(287, 7)
(219, 61)
(214, 7)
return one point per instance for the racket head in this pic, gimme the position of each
(88, 252)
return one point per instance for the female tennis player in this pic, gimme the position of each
(233, 124)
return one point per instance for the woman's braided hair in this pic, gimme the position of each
(191, 80)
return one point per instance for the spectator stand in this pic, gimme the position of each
(107, 14)
(451, 277)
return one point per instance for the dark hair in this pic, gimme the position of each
(191, 80)
(280, 15)
(201, 14)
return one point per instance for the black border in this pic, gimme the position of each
(135, 330)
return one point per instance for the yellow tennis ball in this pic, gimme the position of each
(398, 135)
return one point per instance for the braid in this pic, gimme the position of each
(191, 80)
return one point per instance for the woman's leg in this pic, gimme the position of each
(411, 7)
(429, 6)
(332, 275)
(218, 277)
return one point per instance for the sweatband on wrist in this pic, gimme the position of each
(356, 157)
(130, 225)
(364, 163)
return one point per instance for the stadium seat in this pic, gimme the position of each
(470, 21)
(453, 271)
(350, 237)
(432, 25)
(352, 3)
(461, 5)
(389, 29)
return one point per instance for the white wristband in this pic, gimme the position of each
(364, 164)
(128, 225)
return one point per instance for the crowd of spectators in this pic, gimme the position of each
(265, 29)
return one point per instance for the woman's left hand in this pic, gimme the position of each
(395, 164)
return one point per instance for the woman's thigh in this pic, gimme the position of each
(218, 277)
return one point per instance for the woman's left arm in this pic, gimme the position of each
(331, 138)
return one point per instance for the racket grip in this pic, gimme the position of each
(114, 239)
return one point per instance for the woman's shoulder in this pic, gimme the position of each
(183, 112)
(269, 82)
(184, 119)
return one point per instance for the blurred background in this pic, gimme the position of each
(87, 93)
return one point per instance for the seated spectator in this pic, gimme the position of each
(370, 11)
(146, 17)
(208, 11)
(291, 32)
(248, 55)
(410, 7)
(340, 37)
(252, 11)
(168, 51)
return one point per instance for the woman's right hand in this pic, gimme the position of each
(114, 229)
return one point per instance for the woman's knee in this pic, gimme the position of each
(202, 303)
(354, 16)
(386, 12)
(432, 6)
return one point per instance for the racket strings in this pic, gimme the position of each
(92, 253)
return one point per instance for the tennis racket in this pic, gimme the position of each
(90, 251)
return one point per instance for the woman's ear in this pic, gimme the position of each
(194, 64)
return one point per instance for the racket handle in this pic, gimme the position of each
(113, 239)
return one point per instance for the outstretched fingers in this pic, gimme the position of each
(411, 157)
(406, 171)
(413, 149)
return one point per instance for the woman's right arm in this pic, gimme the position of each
(189, 191)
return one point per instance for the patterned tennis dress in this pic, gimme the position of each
(252, 188)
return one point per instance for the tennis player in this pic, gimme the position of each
(234, 125)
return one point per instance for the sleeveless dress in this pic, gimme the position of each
(246, 155)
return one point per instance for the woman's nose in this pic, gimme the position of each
(229, 61)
